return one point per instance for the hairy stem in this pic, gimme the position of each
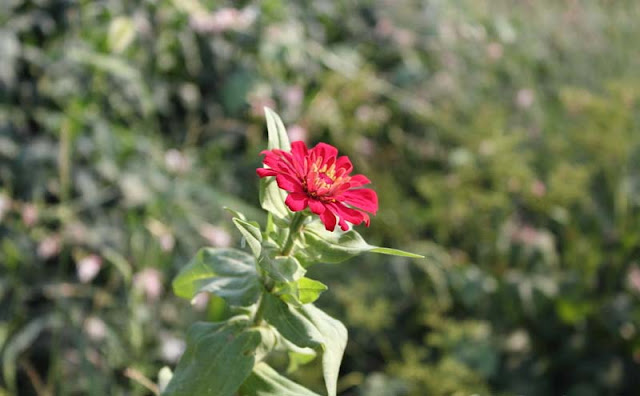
(294, 231)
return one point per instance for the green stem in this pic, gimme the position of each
(294, 230)
(259, 312)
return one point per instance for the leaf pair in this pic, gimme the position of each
(224, 358)
(309, 327)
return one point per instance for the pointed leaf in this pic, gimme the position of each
(271, 196)
(277, 133)
(281, 268)
(303, 291)
(251, 233)
(291, 323)
(227, 273)
(235, 213)
(337, 246)
(265, 381)
(217, 360)
(395, 252)
(335, 336)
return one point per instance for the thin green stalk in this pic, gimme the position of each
(294, 230)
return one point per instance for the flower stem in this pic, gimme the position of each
(294, 230)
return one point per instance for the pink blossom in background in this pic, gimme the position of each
(49, 247)
(633, 278)
(296, 132)
(149, 281)
(171, 348)
(538, 188)
(216, 236)
(525, 98)
(223, 20)
(88, 268)
(95, 328)
(495, 51)
(5, 205)
(29, 214)
(176, 161)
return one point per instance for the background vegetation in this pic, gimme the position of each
(502, 137)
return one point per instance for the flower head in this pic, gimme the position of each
(317, 178)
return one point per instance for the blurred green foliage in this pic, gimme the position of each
(502, 137)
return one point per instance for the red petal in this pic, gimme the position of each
(299, 152)
(316, 206)
(262, 172)
(344, 163)
(296, 201)
(353, 216)
(363, 198)
(328, 219)
(288, 183)
(272, 160)
(325, 151)
(299, 149)
(358, 180)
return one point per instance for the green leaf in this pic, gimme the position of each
(335, 336)
(300, 358)
(303, 291)
(291, 323)
(271, 196)
(235, 213)
(265, 381)
(337, 246)
(217, 360)
(251, 233)
(269, 337)
(227, 273)
(277, 133)
(395, 252)
(281, 268)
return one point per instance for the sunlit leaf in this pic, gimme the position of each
(277, 133)
(235, 213)
(335, 335)
(218, 359)
(265, 381)
(300, 358)
(334, 247)
(227, 273)
(251, 233)
(302, 291)
(271, 196)
(291, 323)
(282, 268)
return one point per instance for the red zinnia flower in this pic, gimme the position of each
(319, 179)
